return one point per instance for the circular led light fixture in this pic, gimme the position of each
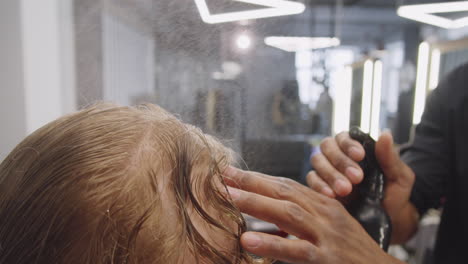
(243, 41)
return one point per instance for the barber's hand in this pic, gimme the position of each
(327, 233)
(337, 170)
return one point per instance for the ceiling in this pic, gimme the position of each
(363, 23)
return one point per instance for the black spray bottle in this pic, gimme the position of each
(366, 204)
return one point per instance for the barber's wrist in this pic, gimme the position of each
(405, 224)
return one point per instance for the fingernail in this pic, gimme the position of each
(355, 151)
(341, 187)
(327, 191)
(234, 193)
(229, 171)
(251, 240)
(354, 173)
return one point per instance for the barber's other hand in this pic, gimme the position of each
(337, 170)
(327, 233)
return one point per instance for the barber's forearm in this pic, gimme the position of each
(405, 224)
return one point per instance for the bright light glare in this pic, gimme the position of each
(296, 44)
(341, 113)
(271, 8)
(435, 68)
(426, 13)
(376, 100)
(366, 96)
(243, 42)
(421, 81)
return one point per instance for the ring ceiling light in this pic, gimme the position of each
(432, 13)
(270, 8)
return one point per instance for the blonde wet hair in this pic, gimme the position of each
(112, 184)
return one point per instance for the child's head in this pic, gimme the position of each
(115, 184)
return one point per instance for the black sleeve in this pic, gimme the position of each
(428, 154)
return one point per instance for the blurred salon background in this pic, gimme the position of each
(271, 78)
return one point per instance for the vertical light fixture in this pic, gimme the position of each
(435, 69)
(367, 96)
(376, 100)
(342, 106)
(421, 82)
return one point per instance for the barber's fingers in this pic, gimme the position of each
(319, 185)
(351, 147)
(287, 215)
(340, 159)
(275, 247)
(338, 182)
(275, 187)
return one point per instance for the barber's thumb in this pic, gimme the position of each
(387, 156)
